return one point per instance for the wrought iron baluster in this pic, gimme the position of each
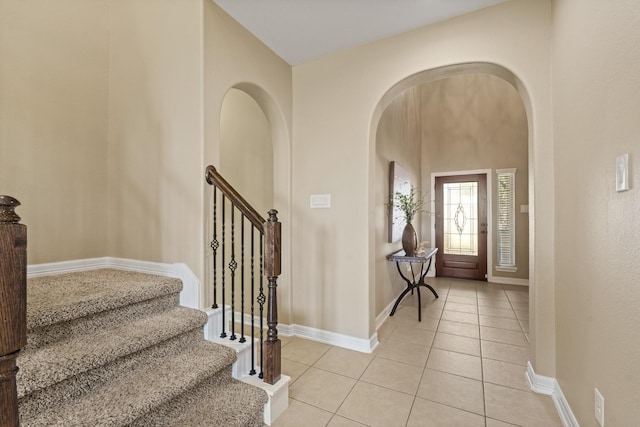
(232, 266)
(261, 300)
(214, 246)
(253, 356)
(242, 338)
(223, 333)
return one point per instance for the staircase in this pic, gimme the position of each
(114, 348)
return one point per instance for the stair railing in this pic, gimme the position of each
(13, 306)
(266, 253)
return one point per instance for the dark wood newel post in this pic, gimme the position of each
(13, 306)
(272, 361)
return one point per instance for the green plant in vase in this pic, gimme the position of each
(409, 204)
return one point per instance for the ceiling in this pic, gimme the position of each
(300, 30)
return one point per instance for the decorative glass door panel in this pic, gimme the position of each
(460, 220)
(461, 226)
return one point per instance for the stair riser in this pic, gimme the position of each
(57, 394)
(226, 405)
(39, 337)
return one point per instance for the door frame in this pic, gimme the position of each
(489, 175)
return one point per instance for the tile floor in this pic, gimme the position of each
(463, 365)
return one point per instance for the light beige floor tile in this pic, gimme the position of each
(495, 423)
(284, 340)
(506, 374)
(457, 328)
(304, 351)
(456, 316)
(525, 325)
(404, 351)
(323, 389)
(428, 323)
(522, 314)
(522, 408)
(505, 352)
(493, 303)
(463, 292)
(493, 295)
(430, 414)
(338, 421)
(520, 305)
(498, 312)
(462, 299)
(504, 336)
(455, 363)
(299, 413)
(500, 322)
(465, 308)
(385, 330)
(457, 343)
(376, 406)
(344, 362)
(452, 390)
(414, 335)
(293, 369)
(394, 375)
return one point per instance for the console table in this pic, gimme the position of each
(416, 281)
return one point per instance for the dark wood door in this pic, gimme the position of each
(461, 226)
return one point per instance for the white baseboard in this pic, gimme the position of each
(551, 387)
(380, 318)
(331, 338)
(189, 297)
(508, 281)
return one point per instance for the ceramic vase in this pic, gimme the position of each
(409, 240)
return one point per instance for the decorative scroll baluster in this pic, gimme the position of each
(214, 246)
(253, 322)
(242, 338)
(232, 266)
(223, 333)
(13, 306)
(261, 300)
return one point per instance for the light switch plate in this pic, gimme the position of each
(622, 172)
(320, 201)
(599, 407)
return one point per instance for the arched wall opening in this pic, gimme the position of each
(406, 89)
(254, 156)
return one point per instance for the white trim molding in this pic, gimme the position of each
(508, 281)
(551, 387)
(189, 296)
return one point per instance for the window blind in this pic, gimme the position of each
(506, 234)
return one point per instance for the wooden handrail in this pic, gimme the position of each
(13, 306)
(214, 178)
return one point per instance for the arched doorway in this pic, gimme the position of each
(378, 252)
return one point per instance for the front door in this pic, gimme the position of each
(461, 226)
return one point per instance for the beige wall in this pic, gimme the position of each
(337, 103)
(478, 121)
(398, 139)
(234, 58)
(155, 132)
(596, 108)
(53, 123)
(246, 152)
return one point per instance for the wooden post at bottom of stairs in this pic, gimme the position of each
(13, 306)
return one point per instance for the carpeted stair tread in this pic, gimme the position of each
(63, 297)
(56, 362)
(232, 404)
(128, 398)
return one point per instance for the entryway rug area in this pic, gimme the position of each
(114, 348)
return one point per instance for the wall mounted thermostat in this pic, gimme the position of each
(622, 172)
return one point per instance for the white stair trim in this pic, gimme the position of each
(551, 387)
